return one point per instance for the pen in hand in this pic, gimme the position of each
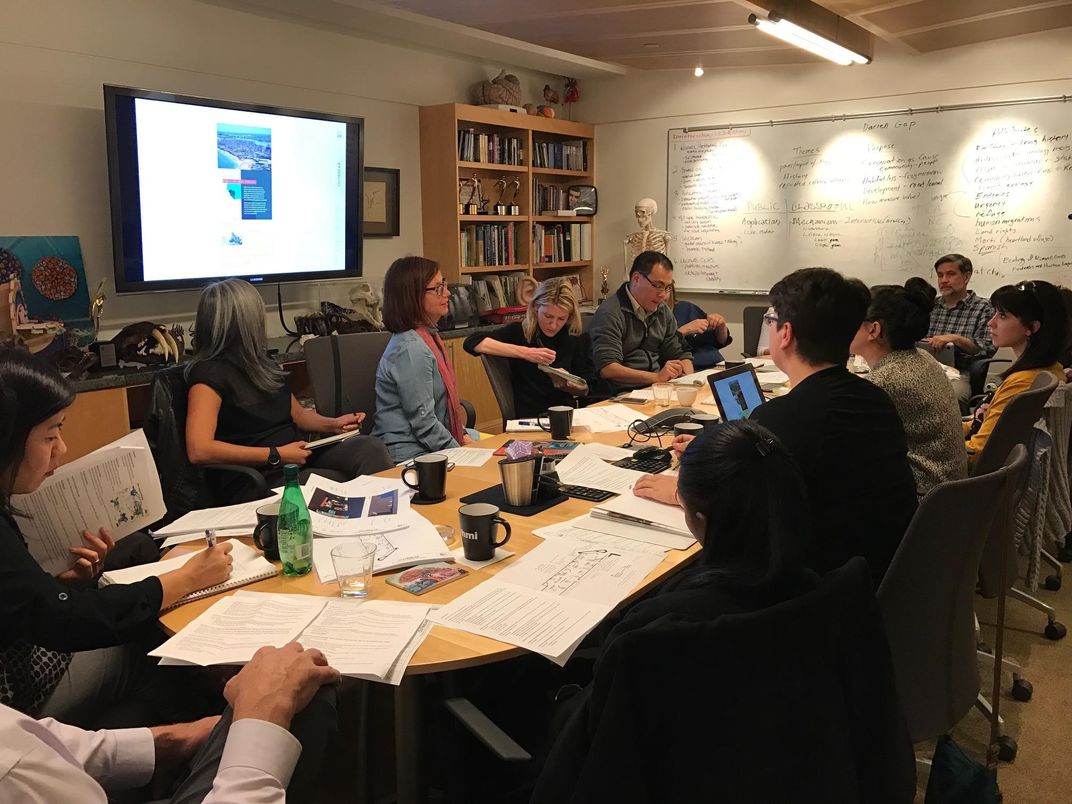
(210, 537)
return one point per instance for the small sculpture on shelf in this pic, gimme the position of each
(500, 185)
(367, 303)
(604, 285)
(504, 89)
(648, 238)
(96, 308)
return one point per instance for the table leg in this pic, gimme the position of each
(409, 764)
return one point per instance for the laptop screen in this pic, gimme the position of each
(736, 391)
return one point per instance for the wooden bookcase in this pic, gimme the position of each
(442, 172)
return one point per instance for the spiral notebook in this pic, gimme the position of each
(249, 567)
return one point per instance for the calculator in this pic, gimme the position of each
(650, 465)
(585, 493)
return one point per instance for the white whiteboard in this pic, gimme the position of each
(878, 197)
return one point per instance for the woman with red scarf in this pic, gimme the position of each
(417, 403)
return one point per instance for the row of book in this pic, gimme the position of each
(497, 149)
(561, 242)
(548, 198)
(570, 155)
(488, 244)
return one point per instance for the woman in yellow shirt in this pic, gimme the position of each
(1030, 319)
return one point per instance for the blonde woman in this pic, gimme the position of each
(549, 335)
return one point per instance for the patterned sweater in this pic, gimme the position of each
(928, 408)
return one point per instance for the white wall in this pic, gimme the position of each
(632, 115)
(55, 55)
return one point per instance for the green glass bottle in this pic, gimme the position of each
(295, 527)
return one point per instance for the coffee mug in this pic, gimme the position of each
(686, 394)
(478, 521)
(560, 419)
(708, 420)
(521, 479)
(688, 428)
(431, 471)
(266, 534)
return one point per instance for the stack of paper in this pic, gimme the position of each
(644, 520)
(585, 467)
(415, 541)
(228, 520)
(115, 487)
(551, 598)
(363, 505)
(373, 639)
(574, 529)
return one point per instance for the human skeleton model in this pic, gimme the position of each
(648, 238)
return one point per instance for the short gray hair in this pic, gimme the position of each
(230, 325)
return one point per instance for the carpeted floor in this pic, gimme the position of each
(1042, 770)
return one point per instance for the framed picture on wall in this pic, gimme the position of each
(380, 190)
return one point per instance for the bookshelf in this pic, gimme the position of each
(457, 141)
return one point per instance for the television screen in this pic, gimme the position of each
(205, 189)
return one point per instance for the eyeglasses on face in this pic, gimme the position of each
(771, 319)
(659, 287)
(440, 290)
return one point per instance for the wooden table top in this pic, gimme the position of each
(447, 648)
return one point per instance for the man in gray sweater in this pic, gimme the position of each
(634, 335)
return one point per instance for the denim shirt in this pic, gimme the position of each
(411, 400)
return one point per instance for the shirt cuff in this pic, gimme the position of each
(136, 752)
(261, 745)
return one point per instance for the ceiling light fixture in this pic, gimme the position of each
(698, 72)
(803, 38)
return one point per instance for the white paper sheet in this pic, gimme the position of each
(500, 554)
(115, 487)
(581, 571)
(367, 517)
(546, 623)
(570, 529)
(760, 363)
(225, 533)
(582, 469)
(364, 638)
(522, 426)
(417, 543)
(654, 514)
(398, 669)
(638, 533)
(242, 515)
(605, 452)
(232, 629)
(247, 564)
(467, 456)
(605, 418)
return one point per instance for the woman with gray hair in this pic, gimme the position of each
(239, 407)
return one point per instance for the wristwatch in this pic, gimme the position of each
(274, 460)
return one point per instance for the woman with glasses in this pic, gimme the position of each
(240, 409)
(1029, 318)
(897, 318)
(550, 335)
(418, 409)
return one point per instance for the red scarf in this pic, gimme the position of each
(435, 344)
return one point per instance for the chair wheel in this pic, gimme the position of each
(1022, 689)
(1055, 631)
(1006, 748)
(1052, 582)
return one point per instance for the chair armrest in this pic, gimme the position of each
(470, 412)
(484, 729)
(978, 370)
(254, 476)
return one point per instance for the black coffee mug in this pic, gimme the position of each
(431, 471)
(478, 521)
(266, 534)
(693, 429)
(560, 418)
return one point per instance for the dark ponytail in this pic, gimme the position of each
(752, 496)
(30, 392)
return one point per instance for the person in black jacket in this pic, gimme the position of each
(550, 335)
(59, 636)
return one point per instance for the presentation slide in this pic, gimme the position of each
(235, 193)
(739, 396)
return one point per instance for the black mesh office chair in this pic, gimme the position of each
(187, 487)
(498, 371)
(753, 326)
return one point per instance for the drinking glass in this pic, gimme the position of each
(662, 391)
(353, 567)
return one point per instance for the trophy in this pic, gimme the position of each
(604, 288)
(515, 186)
(468, 195)
(500, 207)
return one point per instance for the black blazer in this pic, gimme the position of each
(792, 703)
(37, 608)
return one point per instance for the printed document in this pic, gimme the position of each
(416, 541)
(363, 505)
(581, 468)
(115, 487)
(572, 529)
(227, 517)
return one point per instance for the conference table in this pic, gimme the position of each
(447, 649)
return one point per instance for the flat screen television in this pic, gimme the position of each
(207, 189)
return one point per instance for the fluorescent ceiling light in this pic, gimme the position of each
(805, 39)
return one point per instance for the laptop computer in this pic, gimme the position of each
(736, 391)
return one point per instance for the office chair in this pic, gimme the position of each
(187, 487)
(685, 711)
(753, 325)
(1058, 522)
(342, 369)
(927, 599)
(946, 355)
(498, 371)
(978, 370)
(1015, 426)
